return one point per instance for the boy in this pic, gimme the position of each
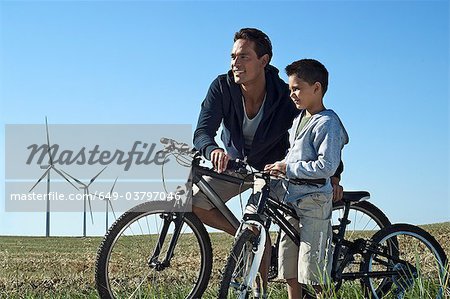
(317, 138)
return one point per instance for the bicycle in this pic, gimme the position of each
(388, 263)
(144, 251)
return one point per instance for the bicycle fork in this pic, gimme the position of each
(153, 261)
(258, 252)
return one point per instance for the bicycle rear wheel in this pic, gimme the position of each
(123, 269)
(365, 219)
(418, 272)
(238, 268)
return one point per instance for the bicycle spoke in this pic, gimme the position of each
(419, 269)
(130, 273)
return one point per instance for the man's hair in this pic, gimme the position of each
(262, 42)
(311, 71)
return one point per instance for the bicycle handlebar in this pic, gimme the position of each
(173, 146)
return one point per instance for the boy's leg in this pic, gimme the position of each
(314, 212)
(294, 288)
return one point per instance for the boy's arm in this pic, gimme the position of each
(209, 121)
(328, 143)
(339, 171)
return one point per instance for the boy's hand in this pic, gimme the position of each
(277, 169)
(219, 160)
(338, 190)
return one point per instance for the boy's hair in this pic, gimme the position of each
(262, 42)
(311, 71)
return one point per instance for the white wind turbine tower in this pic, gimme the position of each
(107, 199)
(48, 168)
(87, 196)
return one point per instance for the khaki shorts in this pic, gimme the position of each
(311, 262)
(224, 189)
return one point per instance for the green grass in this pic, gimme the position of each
(63, 267)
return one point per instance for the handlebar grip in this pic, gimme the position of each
(164, 140)
(237, 165)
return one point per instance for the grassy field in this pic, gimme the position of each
(63, 267)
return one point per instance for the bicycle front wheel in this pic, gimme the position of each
(418, 270)
(126, 265)
(238, 268)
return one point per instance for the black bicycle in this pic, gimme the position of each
(401, 260)
(152, 252)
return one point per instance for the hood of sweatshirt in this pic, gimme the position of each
(323, 116)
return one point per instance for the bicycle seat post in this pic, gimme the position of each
(343, 222)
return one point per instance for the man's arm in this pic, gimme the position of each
(209, 120)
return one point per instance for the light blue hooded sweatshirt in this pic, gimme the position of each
(315, 153)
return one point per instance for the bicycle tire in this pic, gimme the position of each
(116, 237)
(244, 241)
(366, 220)
(368, 209)
(401, 234)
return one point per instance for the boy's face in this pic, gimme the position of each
(304, 95)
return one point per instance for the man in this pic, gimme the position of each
(254, 105)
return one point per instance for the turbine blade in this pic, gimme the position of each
(48, 142)
(93, 179)
(61, 174)
(112, 188)
(75, 179)
(40, 179)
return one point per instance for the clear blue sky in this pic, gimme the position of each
(152, 62)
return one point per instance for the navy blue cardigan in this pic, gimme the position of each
(223, 102)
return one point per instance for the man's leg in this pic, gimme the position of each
(215, 219)
(288, 261)
(206, 212)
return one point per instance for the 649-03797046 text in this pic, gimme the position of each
(112, 196)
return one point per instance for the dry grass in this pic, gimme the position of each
(63, 267)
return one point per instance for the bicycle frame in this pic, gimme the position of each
(197, 178)
(267, 207)
(274, 209)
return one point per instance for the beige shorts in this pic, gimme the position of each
(224, 189)
(311, 262)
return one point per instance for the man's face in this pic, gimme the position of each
(302, 93)
(245, 64)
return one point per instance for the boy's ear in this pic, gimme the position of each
(317, 87)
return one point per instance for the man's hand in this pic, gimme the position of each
(219, 160)
(338, 190)
(277, 169)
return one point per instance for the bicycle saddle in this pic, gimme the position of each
(354, 196)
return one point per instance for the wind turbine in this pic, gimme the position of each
(48, 168)
(86, 195)
(107, 199)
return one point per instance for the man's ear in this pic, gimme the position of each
(265, 59)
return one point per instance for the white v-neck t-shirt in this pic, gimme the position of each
(249, 126)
